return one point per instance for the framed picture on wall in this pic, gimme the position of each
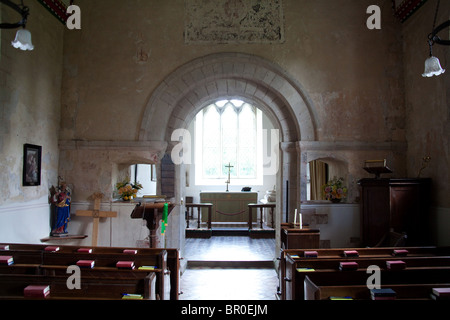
(31, 165)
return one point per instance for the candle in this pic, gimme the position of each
(300, 215)
(295, 217)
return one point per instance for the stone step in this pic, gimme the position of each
(257, 264)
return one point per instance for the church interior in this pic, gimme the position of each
(231, 136)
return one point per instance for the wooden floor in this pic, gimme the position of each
(229, 267)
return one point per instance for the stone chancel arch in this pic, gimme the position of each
(190, 88)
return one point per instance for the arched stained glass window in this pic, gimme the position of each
(229, 132)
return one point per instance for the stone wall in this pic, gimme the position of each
(427, 102)
(30, 101)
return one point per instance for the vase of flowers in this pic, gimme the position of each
(334, 190)
(127, 190)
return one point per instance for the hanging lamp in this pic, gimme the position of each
(432, 63)
(23, 36)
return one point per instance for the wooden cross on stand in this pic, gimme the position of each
(96, 214)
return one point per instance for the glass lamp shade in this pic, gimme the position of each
(432, 67)
(23, 40)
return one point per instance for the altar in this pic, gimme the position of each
(229, 206)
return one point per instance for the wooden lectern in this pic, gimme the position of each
(152, 213)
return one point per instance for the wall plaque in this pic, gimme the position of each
(233, 21)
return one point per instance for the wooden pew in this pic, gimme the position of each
(173, 258)
(291, 290)
(370, 252)
(408, 284)
(12, 287)
(56, 263)
(295, 289)
(31, 253)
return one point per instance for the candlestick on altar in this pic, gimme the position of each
(229, 166)
(300, 218)
(295, 217)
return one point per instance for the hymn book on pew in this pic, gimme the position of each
(51, 249)
(347, 266)
(400, 253)
(36, 291)
(125, 264)
(351, 253)
(311, 254)
(395, 265)
(440, 294)
(86, 263)
(6, 260)
(383, 294)
(130, 296)
(147, 268)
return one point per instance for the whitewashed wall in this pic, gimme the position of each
(25, 222)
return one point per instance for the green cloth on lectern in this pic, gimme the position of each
(164, 218)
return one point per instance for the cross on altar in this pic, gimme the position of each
(96, 214)
(229, 166)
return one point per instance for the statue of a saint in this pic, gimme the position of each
(61, 199)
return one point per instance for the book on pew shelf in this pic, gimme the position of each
(400, 252)
(441, 292)
(147, 268)
(351, 253)
(85, 250)
(4, 247)
(51, 248)
(295, 256)
(130, 251)
(130, 296)
(125, 264)
(340, 298)
(36, 291)
(86, 263)
(6, 260)
(346, 266)
(305, 269)
(395, 265)
(383, 294)
(311, 254)
(435, 297)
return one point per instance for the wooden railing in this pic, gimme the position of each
(261, 206)
(190, 209)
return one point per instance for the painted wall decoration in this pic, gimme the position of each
(58, 8)
(234, 21)
(403, 9)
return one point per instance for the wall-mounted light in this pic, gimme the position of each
(23, 36)
(432, 64)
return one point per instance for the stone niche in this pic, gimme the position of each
(90, 167)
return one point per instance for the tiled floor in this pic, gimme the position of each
(215, 282)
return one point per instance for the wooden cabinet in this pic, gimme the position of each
(294, 238)
(394, 206)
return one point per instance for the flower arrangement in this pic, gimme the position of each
(334, 190)
(128, 190)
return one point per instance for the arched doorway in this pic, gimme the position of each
(191, 87)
